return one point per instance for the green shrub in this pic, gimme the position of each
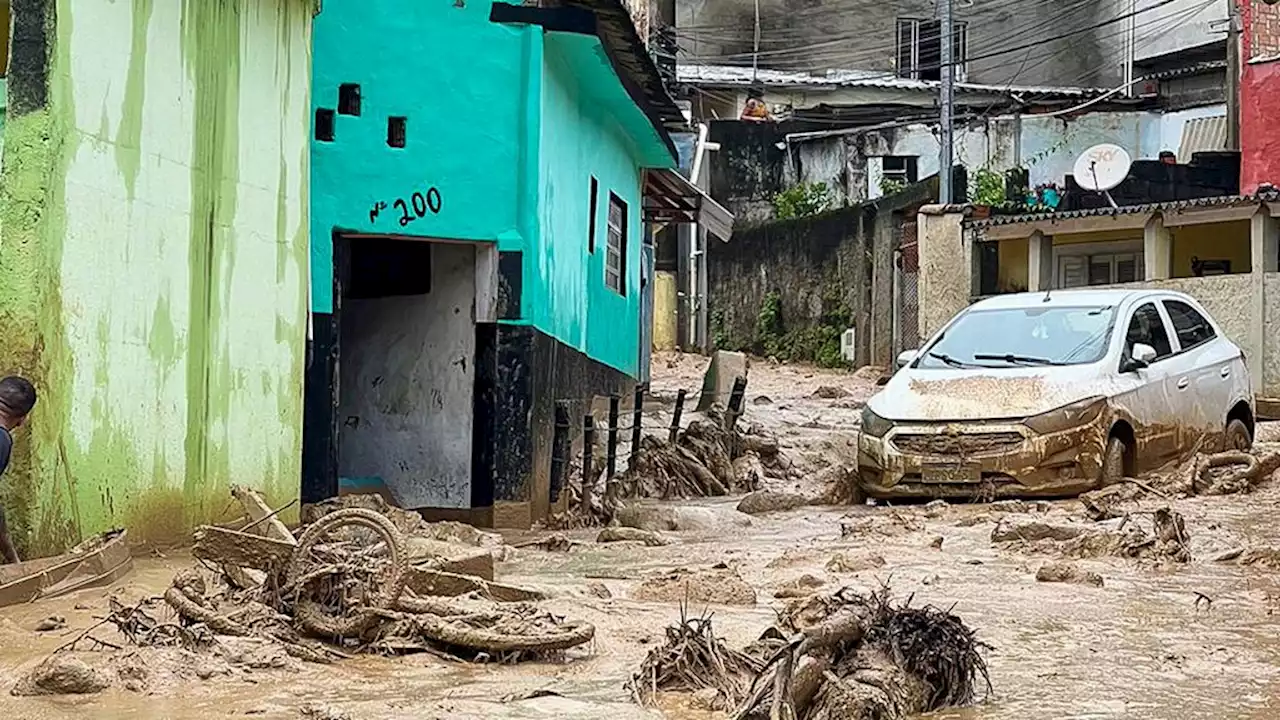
(802, 201)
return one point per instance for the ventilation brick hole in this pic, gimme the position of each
(396, 131)
(324, 124)
(348, 99)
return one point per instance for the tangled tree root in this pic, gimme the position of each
(1240, 480)
(867, 658)
(694, 659)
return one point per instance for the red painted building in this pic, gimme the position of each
(1259, 95)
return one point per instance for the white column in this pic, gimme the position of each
(1264, 245)
(1264, 237)
(1157, 249)
(1039, 262)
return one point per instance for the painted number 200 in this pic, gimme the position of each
(418, 206)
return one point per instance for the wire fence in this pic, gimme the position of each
(618, 428)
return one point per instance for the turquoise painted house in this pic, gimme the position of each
(482, 175)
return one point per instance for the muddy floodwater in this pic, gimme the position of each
(1197, 640)
(1141, 646)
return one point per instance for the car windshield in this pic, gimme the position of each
(1023, 337)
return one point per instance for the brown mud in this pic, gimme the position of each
(1191, 639)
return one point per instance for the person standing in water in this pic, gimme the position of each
(17, 397)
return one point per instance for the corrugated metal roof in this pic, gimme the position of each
(732, 75)
(1219, 201)
(1192, 69)
(1202, 135)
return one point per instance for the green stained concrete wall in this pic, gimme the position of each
(153, 264)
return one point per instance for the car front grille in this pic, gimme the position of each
(964, 444)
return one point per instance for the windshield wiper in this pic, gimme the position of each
(1012, 359)
(948, 359)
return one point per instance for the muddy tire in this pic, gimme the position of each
(1238, 436)
(1113, 462)
(302, 572)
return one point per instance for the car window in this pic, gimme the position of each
(1188, 324)
(1147, 328)
(1023, 336)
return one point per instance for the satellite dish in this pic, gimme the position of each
(1101, 167)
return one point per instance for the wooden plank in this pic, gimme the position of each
(257, 509)
(100, 560)
(423, 581)
(246, 550)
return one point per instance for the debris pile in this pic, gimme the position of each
(840, 656)
(701, 462)
(718, 585)
(1159, 535)
(348, 584)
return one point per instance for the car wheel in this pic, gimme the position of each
(1113, 462)
(1238, 437)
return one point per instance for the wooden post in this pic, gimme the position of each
(611, 458)
(588, 456)
(559, 450)
(675, 418)
(636, 421)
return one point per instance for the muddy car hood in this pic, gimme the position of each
(1015, 393)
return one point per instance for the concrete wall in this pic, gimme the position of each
(1259, 135)
(945, 281)
(1271, 340)
(860, 34)
(1179, 25)
(580, 140)
(153, 272)
(1050, 145)
(407, 384)
(830, 272)
(1217, 241)
(990, 144)
(750, 169)
(472, 159)
(532, 116)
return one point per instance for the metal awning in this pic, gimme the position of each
(670, 198)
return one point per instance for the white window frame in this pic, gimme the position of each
(960, 50)
(1087, 251)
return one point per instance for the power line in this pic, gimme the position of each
(971, 58)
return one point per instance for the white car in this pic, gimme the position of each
(1051, 394)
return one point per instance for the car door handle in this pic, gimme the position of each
(1226, 372)
(1183, 383)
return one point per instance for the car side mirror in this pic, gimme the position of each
(1140, 356)
(906, 357)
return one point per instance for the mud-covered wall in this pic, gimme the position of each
(153, 260)
(945, 251)
(788, 288)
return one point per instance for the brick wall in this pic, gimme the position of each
(1261, 29)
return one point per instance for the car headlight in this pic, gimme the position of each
(873, 424)
(1067, 417)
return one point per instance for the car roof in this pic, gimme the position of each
(1073, 298)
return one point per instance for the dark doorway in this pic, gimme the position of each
(391, 378)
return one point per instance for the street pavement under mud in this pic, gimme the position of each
(1196, 640)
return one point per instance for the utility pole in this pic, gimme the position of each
(947, 76)
(1233, 75)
